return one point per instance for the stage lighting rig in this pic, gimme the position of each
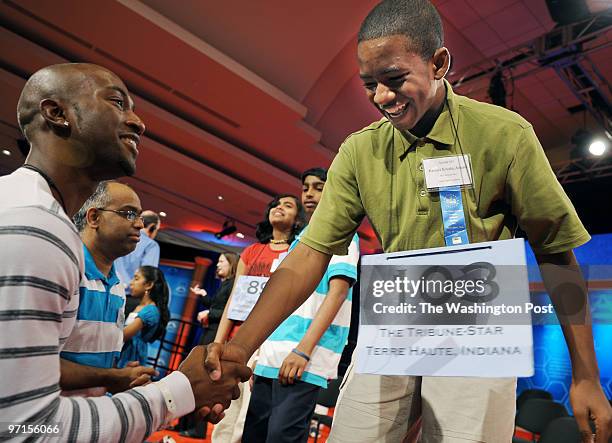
(229, 227)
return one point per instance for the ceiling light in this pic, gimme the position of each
(239, 235)
(597, 147)
(585, 143)
(162, 214)
(6, 152)
(219, 197)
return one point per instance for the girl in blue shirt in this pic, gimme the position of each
(147, 322)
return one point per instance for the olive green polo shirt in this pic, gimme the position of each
(378, 173)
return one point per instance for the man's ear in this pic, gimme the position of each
(441, 63)
(92, 217)
(54, 114)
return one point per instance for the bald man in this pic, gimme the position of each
(79, 120)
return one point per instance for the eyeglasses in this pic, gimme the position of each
(129, 215)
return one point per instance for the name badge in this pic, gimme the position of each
(453, 217)
(277, 261)
(442, 172)
(453, 311)
(246, 293)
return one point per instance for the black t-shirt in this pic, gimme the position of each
(216, 304)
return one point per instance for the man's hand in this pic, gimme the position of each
(211, 397)
(291, 369)
(228, 352)
(129, 377)
(589, 402)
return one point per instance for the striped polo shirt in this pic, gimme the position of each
(324, 360)
(97, 336)
(41, 262)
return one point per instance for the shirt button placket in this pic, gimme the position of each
(423, 200)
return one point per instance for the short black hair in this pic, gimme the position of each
(317, 172)
(150, 218)
(264, 229)
(99, 199)
(418, 20)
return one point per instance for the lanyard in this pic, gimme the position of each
(50, 183)
(453, 216)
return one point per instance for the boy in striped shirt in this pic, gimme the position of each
(303, 353)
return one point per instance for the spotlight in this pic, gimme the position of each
(565, 12)
(162, 214)
(228, 228)
(6, 152)
(585, 142)
(239, 235)
(597, 147)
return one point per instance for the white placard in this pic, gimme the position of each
(277, 261)
(398, 332)
(246, 293)
(441, 172)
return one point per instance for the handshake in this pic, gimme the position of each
(214, 373)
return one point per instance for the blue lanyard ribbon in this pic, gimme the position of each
(453, 216)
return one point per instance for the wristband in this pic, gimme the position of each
(301, 354)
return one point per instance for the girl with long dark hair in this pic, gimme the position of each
(148, 321)
(284, 219)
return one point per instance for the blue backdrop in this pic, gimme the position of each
(552, 364)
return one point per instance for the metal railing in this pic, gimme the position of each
(174, 344)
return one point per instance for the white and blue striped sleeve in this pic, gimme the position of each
(345, 265)
(40, 268)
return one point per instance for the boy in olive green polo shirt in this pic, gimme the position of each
(378, 172)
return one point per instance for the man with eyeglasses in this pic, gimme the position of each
(145, 254)
(109, 225)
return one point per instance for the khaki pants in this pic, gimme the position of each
(373, 408)
(229, 430)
